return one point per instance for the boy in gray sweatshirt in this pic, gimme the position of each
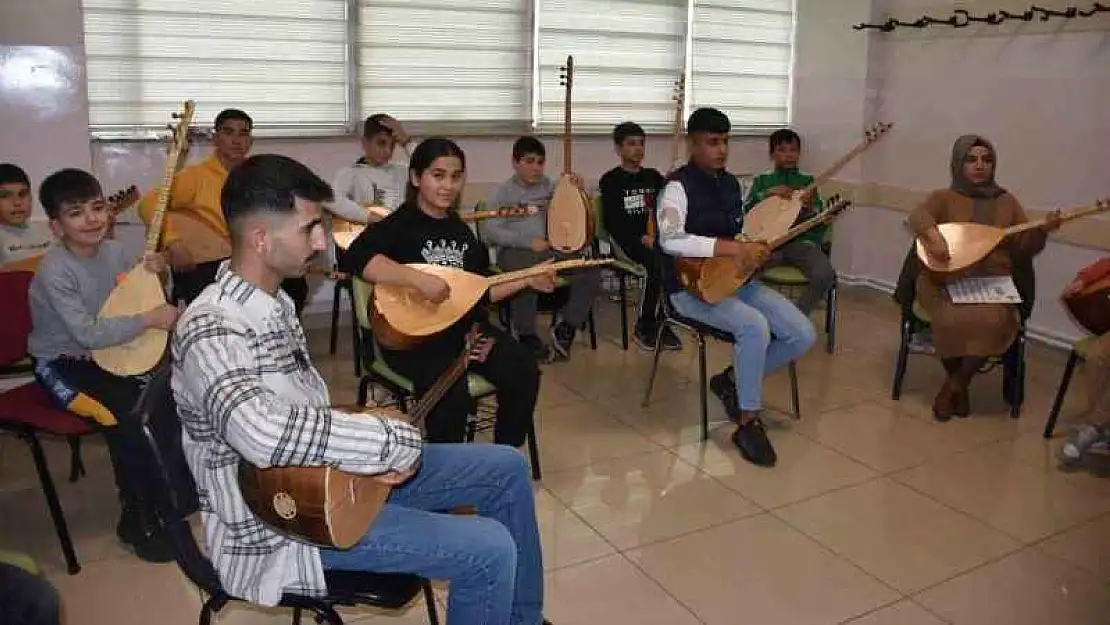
(72, 282)
(521, 242)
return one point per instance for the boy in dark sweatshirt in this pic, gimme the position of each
(522, 242)
(628, 194)
(805, 252)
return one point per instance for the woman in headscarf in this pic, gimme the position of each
(964, 336)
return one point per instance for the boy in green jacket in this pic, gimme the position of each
(805, 252)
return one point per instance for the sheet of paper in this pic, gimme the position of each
(984, 290)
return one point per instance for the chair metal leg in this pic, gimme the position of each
(830, 320)
(333, 339)
(534, 452)
(76, 464)
(52, 501)
(1019, 378)
(356, 335)
(593, 330)
(622, 281)
(363, 391)
(654, 363)
(1065, 382)
(327, 613)
(903, 357)
(430, 602)
(296, 615)
(795, 404)
(213, 605)
(703, 390)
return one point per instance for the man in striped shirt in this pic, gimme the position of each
(245, 389)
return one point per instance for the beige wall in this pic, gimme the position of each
(1041, 92)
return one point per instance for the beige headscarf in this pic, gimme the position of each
(960, 183)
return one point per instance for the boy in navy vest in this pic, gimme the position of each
(699, 216)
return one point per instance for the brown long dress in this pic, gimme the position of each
(973, 329)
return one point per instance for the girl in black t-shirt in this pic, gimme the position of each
(425, 229)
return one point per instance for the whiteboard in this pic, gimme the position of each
(44, 112)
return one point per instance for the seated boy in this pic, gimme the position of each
(20, 238)
(699, 216)
(804, 252)
(522, 242)
(72, 283)
(195, 195)
(628, 194)
(375, 178)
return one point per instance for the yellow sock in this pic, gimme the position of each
(84, 406)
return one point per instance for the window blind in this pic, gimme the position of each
(284, 62)
(741, 58)
(448, 67)
(628, 56)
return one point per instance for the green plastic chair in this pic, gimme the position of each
(792, 277)
(623, 265)
(402, 388)
(20, 560)
(917, 318)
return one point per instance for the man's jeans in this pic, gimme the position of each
(492, 561)
(769, 331)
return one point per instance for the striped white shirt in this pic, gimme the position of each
(245, 389)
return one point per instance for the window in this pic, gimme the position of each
(628, 56)
(448, 66)
(284, 62)
(479, 67)
(741, 57)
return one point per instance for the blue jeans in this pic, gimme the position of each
(26, 599)
(769, 331)
(493, 561)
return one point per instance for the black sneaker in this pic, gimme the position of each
(562, 339)
(140, 530)
(644, 337)
(542, 351)
(755, 447)
(723, 385)
(670, 341)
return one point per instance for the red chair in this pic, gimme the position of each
(28, 410)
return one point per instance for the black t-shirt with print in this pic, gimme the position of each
(627, 199)
(408, 235)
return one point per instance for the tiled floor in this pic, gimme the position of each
(875, 514)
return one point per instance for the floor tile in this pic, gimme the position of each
(804, 469)
(898, 535)
(645, 498)
(766, 571)
(1027, 588)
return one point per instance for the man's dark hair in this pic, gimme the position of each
(527, 145)
(784, 136)
(625, 130)
(269, 183)
(708, 120)
(67, 186)
(373, 126)
(227, 115)
(13, 174)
